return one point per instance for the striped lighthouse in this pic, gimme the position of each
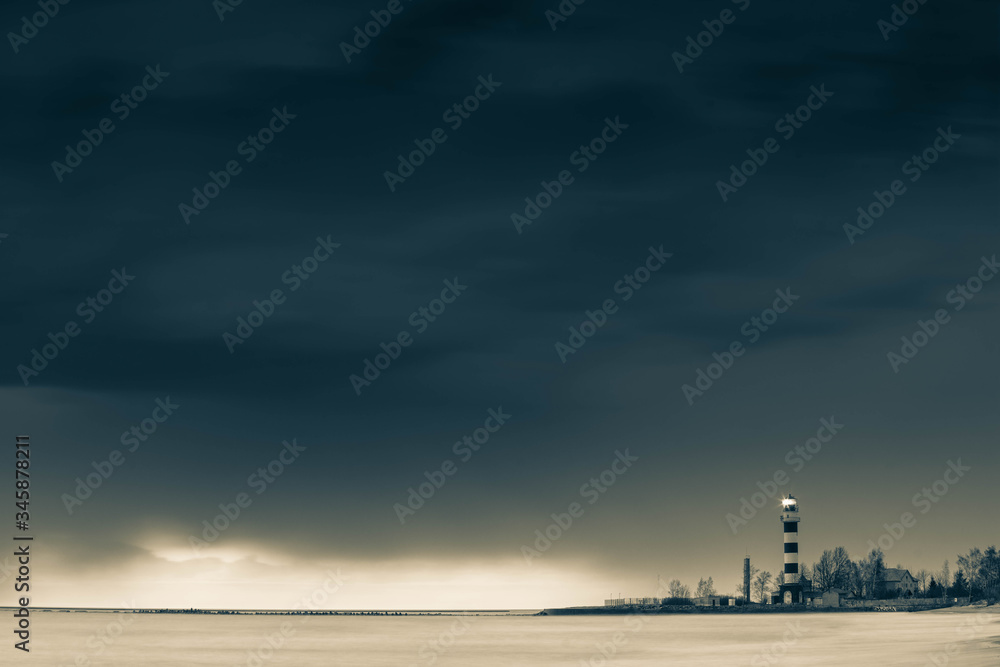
(791, 591)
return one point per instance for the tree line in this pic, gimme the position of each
(977, 576)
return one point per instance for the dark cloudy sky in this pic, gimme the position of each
(323, 176)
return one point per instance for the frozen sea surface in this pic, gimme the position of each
(955, 638)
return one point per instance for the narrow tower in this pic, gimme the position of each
(746, 580)
(791, 591)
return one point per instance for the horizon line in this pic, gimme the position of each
(287, 610)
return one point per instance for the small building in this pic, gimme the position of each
(831, 599)
(900, 581)
(812, 598)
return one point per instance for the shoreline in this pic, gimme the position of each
(765, 609)
(978, 607)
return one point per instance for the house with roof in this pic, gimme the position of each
(899, 581)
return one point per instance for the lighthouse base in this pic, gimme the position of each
(788, 594)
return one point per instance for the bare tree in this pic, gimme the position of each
(945, 579)
(706, 588)
(833, 570)
(854, 583)
(823, 575)
(922, 576)
(969, 565)
(762, 586)
(678, 590)
(871, 571)
(841, 567)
